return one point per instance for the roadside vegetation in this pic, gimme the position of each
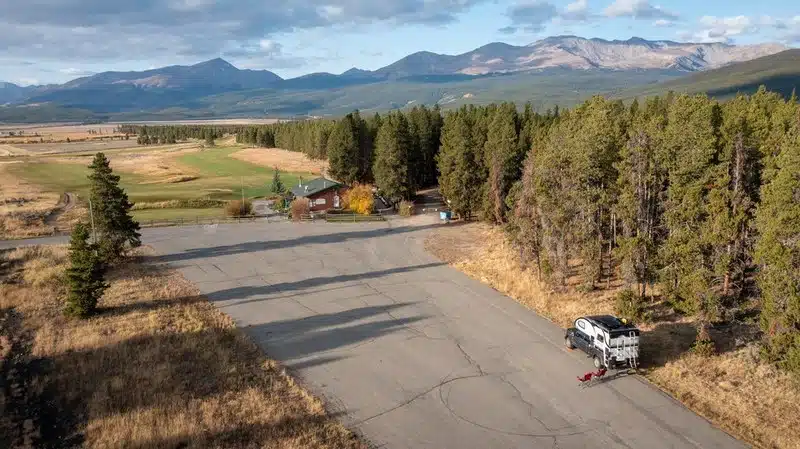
(157, 366)
(733, 388)
(679, 212)
(101, 348)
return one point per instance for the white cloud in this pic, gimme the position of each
(638, 9)
(532, 16)
(26, 81)
(330, 12)
(578, 10)
(663, 23)
(725, 29)
(71, 71)
(270, 47)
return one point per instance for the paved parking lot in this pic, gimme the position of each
(411, 352)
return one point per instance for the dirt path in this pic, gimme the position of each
(66, 203)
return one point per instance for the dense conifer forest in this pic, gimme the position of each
(682, 196)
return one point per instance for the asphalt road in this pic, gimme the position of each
(411, 352)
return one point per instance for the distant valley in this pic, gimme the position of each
(557, 70)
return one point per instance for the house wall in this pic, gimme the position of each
(328, 196)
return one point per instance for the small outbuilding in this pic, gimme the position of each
(322, 194)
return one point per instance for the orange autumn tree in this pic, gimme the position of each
(359, 199)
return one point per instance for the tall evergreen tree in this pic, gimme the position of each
(343, 151)
(459, 175)
(732, 199)
(641, 195)
(692, 143)
(84, 275)
(503, 159)
(392, 176)
(778, 255)
(111, 210)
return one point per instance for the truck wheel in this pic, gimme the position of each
(597, 363)
(568, 343)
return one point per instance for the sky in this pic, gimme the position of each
(54, 41)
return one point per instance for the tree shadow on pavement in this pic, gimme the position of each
(178, 373)
(322, 333)
(250, 247)
(305, 284)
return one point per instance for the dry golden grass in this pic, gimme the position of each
(158, 163)
(12, 150)
(25, 209)
(290, 161)
(58, 133)
(159, 367)
(749, 399)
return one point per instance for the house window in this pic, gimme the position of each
(336, 201)
(320, 202)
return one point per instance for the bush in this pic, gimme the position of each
(703, 345)
(299, 208)
(359, 199)
(629, 305)
(406, 208)
(239, 208)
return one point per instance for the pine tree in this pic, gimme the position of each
(732, 198)
(391, 159)
(209, 137)
(277, 186)
(365, 138)
(459, 174)
(503, 158)
(778, 255)
(691, 145)
(84, 275)
(111, 210)
(641, 196)
(343, 152)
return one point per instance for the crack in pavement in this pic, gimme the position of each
(470, 360)
(445, 381)
(445, 400)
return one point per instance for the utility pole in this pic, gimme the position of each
(91, 216)
(241, 210)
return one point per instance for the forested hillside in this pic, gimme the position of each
(683, 197)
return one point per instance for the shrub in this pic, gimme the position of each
(406, 208)
(299, 208)
(359, 199)
(239, 208)
(703, 345)
(629, 305)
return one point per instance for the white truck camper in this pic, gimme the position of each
(610, 341)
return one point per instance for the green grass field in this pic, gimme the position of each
(221, 177)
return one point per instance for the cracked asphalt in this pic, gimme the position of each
(411, 352)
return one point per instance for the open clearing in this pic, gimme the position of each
(749, 399)
(56, 132)
(148, 174)
(408, 350)
(158, 368)
(291, 161)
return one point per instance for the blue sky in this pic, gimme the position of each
(51, 41)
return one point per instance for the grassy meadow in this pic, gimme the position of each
(150, 176)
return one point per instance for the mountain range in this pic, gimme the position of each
(217, 88)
